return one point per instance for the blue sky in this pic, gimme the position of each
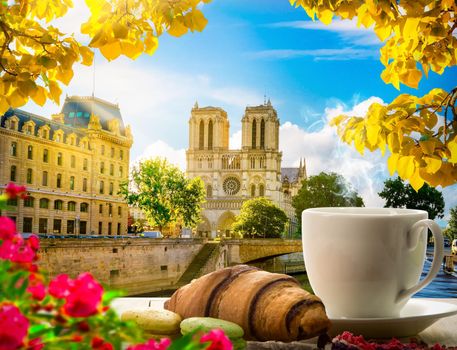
(309, 71)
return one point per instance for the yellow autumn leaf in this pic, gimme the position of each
(151, 43)
(452, 147)
(55, 91)
(392, 163)
(412, 78)
(177, 28)
(433, 164)
(410, 27)
(393, 142)
(120, 30)
(405, 166)
(416, 181)
(87, 55)
(325, 16)
(39, 97)
(111, 51)
(372, 134)
(4, 105)
(428, 147)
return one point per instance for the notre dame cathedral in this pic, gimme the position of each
(233, 176)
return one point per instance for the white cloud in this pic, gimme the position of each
(325, 152)
(346, 30)
(163, 150)
(235, 140)
(343, 54)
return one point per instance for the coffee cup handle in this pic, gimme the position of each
(437, 254)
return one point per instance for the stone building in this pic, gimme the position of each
(72, 165)
(232, 176)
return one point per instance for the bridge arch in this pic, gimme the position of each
(204, 227)
(224, 224)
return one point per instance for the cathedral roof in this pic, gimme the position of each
(292, 174)
(77, 111)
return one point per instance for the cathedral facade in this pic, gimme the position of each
(233, 176)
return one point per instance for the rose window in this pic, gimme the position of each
(231, 185)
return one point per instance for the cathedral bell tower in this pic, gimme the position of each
(260, 128)
(208, 129)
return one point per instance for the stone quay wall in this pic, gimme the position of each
(135, 265)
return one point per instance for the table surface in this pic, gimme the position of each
(443, 331)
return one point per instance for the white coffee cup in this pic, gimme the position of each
(366, 262)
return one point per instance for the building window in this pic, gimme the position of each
(85, 162)
(70, 227)
(262, 134)
(29, 152)
(103, 150)
(254, 133)
(209, 191)
(13, 149)
(13, 125)
(84, 185)
(44, 179)
(13, 173)
(121, 171)
(252, 162)
(29, 179)
(44, 203)
(27, 225)
(100, 208)
(112, 152)
(261, 190)
(210, 135)
(71, 206)
(45, 134)
(11, 202)
(201, 136)
(121, 154)
(102, 187)
(29, 202)
(111, 169)
(118, 228)
(59, 181)
(72, 182)
(252, 190)
(28, 130)
(59, 158)
(111, 188)
(110, 210)
(58, 204)
(82, 227)
(102, 167)
(84, 207)
(100, 227)
(43, 225)
(73, 161)
(57, 228)
(45, 155)
(119, 211)
(110, 225)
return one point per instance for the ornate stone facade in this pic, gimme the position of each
(72, 166)
(233, 176)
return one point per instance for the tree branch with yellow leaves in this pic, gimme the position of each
(418, 131)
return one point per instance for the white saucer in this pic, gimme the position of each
(417, 315)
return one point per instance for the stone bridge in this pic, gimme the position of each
(243, 251)
(141, 265)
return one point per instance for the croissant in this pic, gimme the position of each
(268, 306)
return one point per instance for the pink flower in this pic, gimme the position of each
(60, 286)
(7, 228)
(98, 343)
(219, 341)
(82, 295)
(152, 345)
(13, 191)
(36, 287)
(13, 327)
(17, 250)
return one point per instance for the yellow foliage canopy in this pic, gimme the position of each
(36, 58)
(420, 133)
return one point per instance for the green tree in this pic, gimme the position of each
(324, 190)
(164, 193)
(400, 195)
(451, 229)
(260, 217)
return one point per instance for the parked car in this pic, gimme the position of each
(447, 242)
(151, 234)
(454, 247)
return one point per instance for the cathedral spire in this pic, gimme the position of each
(196, 104)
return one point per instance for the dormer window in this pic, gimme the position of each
(13, 125)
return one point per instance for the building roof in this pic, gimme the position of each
(25, 116)
(292, 174)
(77, 111)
